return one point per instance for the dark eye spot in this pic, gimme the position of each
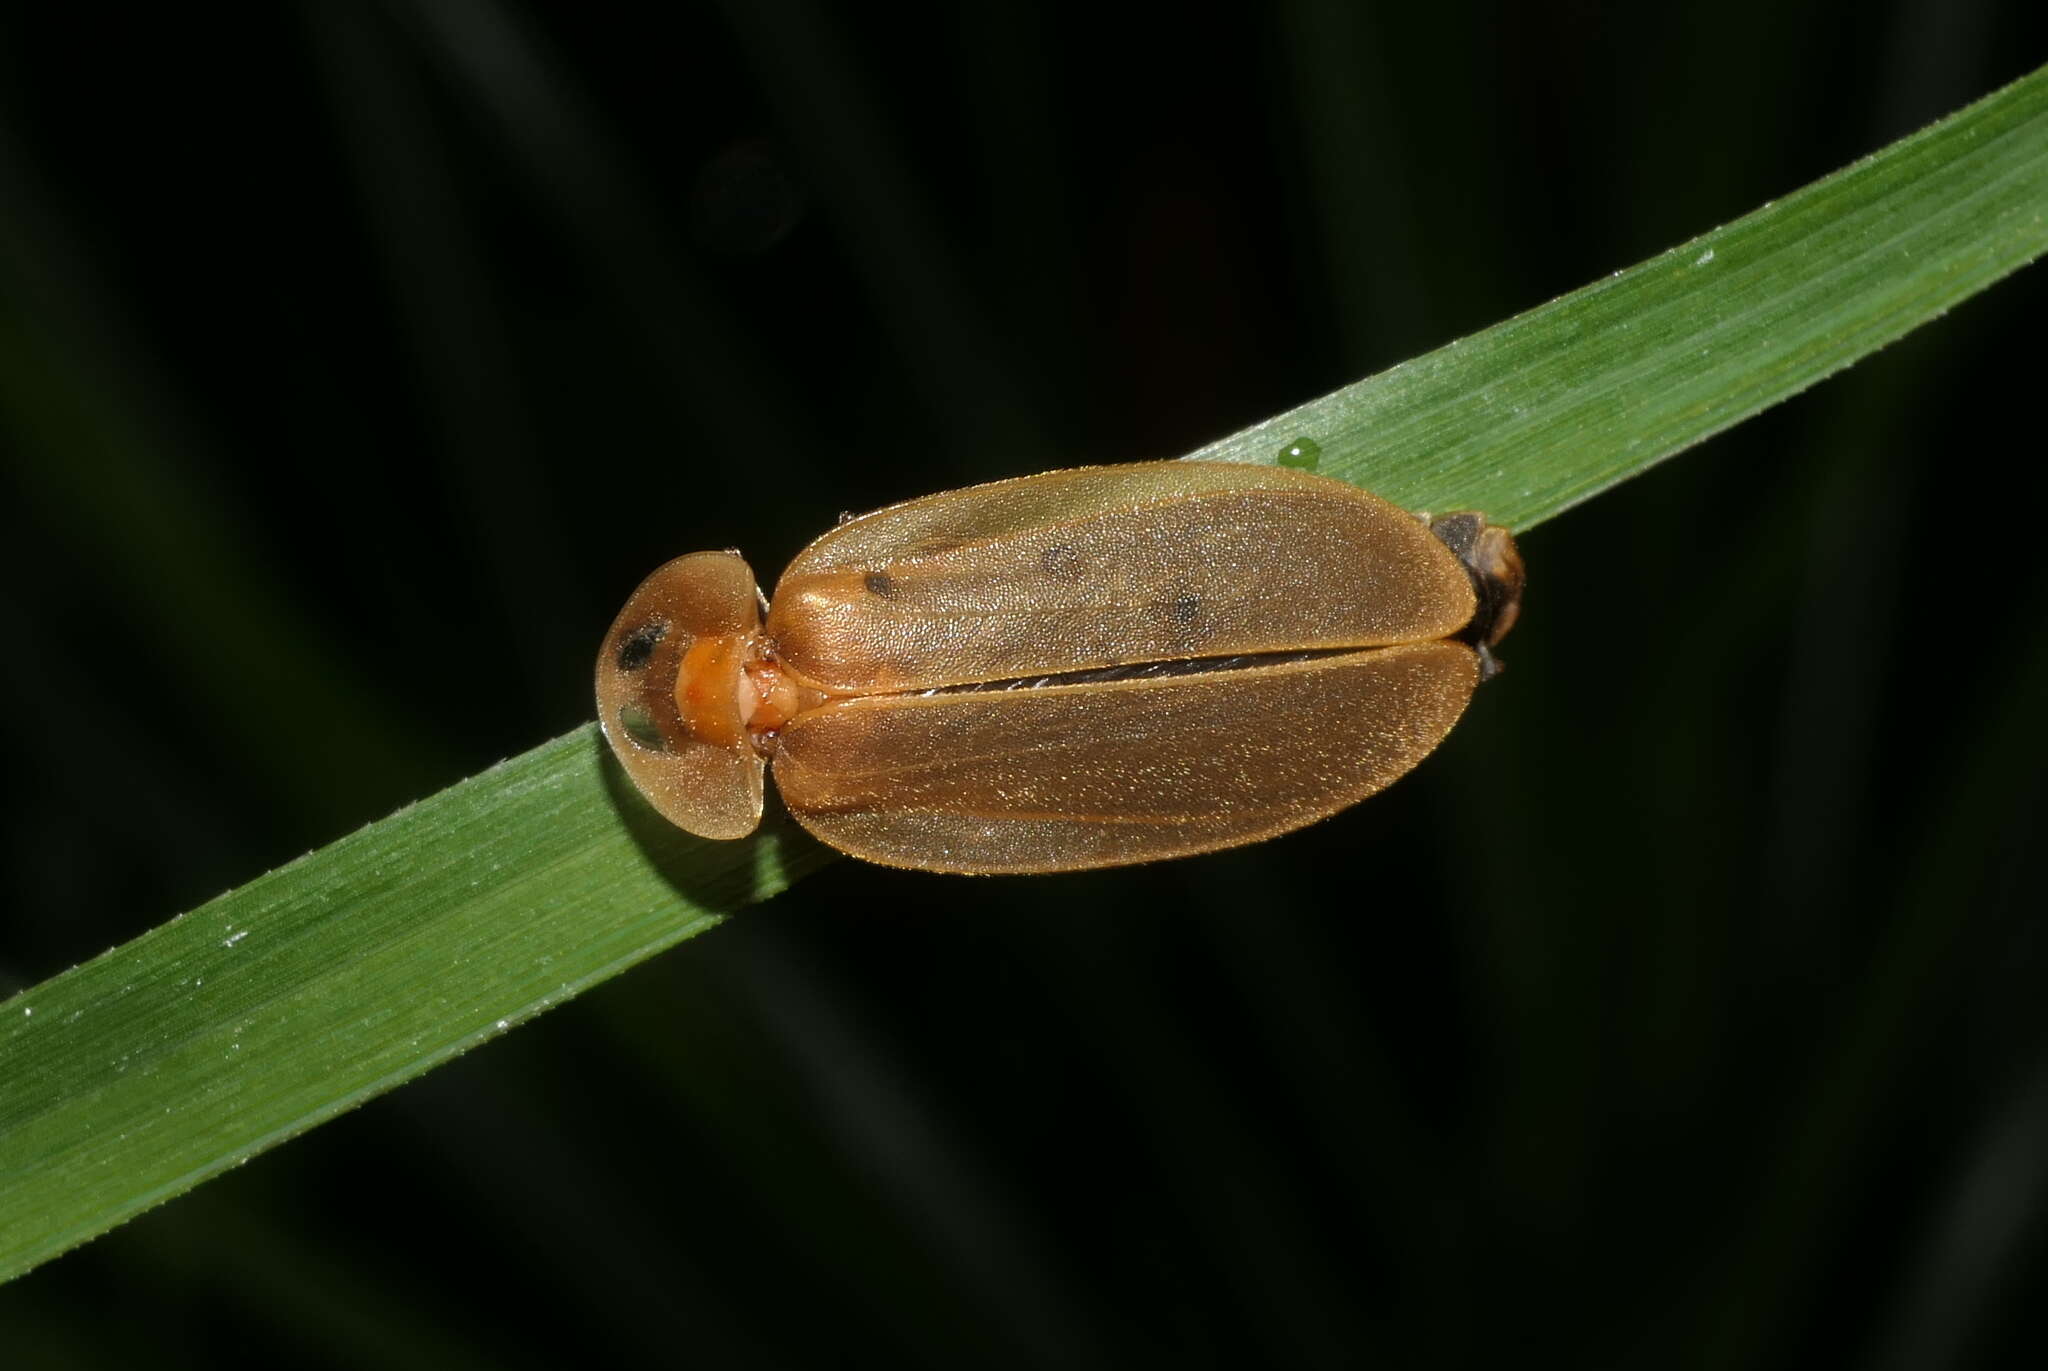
(1186, 609)
(639, 725)
(1062, 563)
(638, 647)
(878, 583)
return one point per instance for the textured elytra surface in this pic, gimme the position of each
(1068, 777)
(1107, 566)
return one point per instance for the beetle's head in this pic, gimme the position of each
(674, 698)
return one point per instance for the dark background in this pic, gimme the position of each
(1686, 1009)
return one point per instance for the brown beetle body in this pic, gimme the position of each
(1079, 669)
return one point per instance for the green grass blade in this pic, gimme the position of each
(1533, 415)
(308, 990)
(130, 1079)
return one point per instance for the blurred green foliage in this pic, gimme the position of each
(358, 359)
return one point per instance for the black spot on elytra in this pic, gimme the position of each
(1062, 563)
(637, 649)
(878, 583)
(1185, 610)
